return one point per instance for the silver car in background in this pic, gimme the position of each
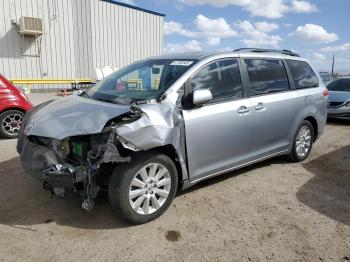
(339, 98)
(171, 121)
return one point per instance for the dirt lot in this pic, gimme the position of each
(272, 211)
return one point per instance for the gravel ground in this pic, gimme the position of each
(272, 211)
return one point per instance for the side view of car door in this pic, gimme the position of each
(275, 106)
(218, 133)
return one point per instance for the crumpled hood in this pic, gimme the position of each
(72, 116)
(338, 96)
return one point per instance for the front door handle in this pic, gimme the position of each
(260, 106)
(243, 110)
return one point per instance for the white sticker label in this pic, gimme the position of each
(182, 63)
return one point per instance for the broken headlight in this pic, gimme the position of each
(60, 147)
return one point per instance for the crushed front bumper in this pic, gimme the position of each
(44, 165)
(59, 176)
(56, 175)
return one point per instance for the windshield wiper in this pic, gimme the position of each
(102, 100)
(122, 100)
(140, 101)
(117, 100)
(84, 94)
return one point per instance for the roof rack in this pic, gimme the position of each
(263, 50)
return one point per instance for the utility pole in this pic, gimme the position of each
(333, 67)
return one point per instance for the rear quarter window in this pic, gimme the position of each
(303, 75)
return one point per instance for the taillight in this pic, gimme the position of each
(325, 92)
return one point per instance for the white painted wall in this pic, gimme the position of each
(79, 36)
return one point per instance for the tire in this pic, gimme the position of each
(10, 122)
(123, 184)
(296, 155)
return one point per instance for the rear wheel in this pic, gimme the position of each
(142, 190)
(302, 142)
(10, 123)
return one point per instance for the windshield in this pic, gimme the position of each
(342, 84)
(145, 80)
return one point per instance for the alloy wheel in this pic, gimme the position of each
(149, 188)
(303, 141)
(11, 124)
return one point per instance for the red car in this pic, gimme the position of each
(13, 105)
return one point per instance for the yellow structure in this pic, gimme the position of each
(28, 82)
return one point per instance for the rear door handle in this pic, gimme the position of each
(260, 106)
(243, 110)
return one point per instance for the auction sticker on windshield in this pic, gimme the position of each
(182, 63)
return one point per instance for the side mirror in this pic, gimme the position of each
(202, 96)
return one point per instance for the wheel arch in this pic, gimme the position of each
(314, 124)
(171, 152)
(13, 108)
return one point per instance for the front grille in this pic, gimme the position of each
(335, 104)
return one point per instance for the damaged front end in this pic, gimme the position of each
(82, 164)
(78, 165)
(71, 166)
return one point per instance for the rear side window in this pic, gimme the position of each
(303, 75)
(222, 78)
(266, 76)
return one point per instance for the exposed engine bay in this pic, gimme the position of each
(81, 164)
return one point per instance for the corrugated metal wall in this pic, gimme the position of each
(79, 36)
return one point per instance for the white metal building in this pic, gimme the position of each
(77, 36)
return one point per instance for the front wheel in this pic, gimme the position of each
(10, 123)
(303, 141)
(143, 190)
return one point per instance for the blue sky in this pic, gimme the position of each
(316, 29)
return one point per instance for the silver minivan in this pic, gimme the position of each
(171, 121)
